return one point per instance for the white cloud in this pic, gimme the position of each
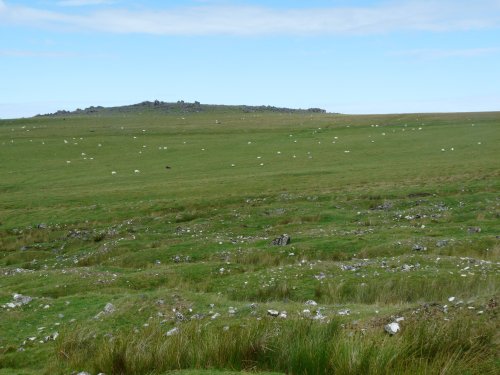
(79, 3)
(53, 54)
(24, 53)
(410, 15)
(445, 53)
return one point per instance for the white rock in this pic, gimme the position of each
(173, 331)
(451, 299)
(400, 319)
(392, 328)
(311, 303)
(344, 312)
(20, 300)
(273, 312)
(109, 308)
(319, 316)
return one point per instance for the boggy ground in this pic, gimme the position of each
(136, 268)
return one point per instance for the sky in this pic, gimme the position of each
(358, 56)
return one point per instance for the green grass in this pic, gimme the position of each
(303, 347)
(196, 238)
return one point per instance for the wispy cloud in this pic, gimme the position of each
(410, 15)
(79, 3)
(20, 53)
(52, 54)
(432, 53)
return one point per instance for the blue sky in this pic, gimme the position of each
(345, 56)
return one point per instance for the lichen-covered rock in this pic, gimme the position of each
(282, 240)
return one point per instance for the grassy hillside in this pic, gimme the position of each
(170, 217)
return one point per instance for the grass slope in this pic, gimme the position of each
(90, 215)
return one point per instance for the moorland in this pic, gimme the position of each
(140, 241)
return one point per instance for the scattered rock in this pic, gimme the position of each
(442, 243)
(311, 303)
(392, 328)
(472, 230)
(344, 312)
(273, 312)
(406, 267)
(347, 267)
(319, 315)
(179, 316)
(51, 337)
(418, 247)
(282, 240)
(109, 308)
(79, 234)
(385, 206)
(173, 331)
(18, 300)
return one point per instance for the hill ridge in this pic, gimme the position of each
(179, 107)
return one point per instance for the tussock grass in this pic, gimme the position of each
(457, 346)
(405, 289)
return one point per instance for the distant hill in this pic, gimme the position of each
(178, 107)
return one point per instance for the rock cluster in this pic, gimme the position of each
(18, 300)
